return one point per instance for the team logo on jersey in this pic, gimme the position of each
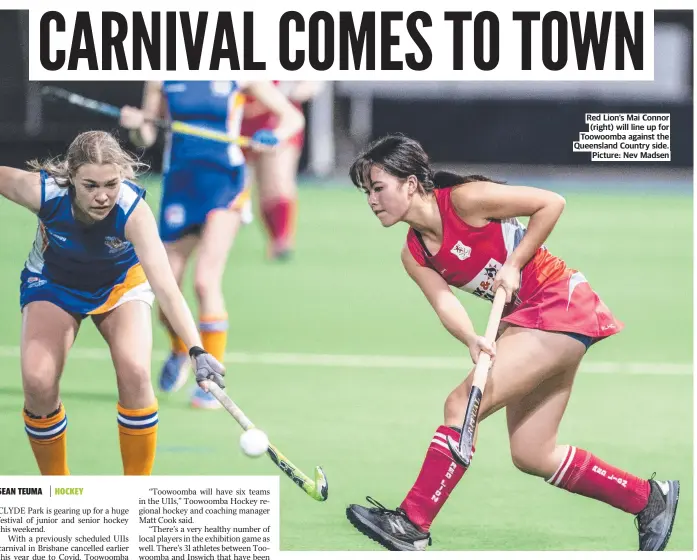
(115, 244)
(35, 282)
(175, 88)
(482, 284)
(175, 215)
(461, 251)
(221, 88)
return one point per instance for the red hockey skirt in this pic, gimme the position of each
(567, 304)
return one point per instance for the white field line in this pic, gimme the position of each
(383, 362)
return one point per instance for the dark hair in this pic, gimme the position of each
(401, 157)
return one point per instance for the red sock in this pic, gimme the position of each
(278, 216)
(438, 476)
(583, 473)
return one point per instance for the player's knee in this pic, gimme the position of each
(133, 375)
(454, 409)
(40, 383)
(134, 384)
(201, 286)
(205, 285)
(528, 459)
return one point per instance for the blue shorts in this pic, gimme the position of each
(586, 340)
(190, 193)
(132, 287)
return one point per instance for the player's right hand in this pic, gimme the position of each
(480, 344)
(206, 368)
(132, 118)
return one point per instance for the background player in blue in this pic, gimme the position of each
(97, 252)
(202, 183)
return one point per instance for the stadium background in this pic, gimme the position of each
(340, 359)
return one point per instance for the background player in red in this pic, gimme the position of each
(202, 195)
(464, 232)
(274, 173)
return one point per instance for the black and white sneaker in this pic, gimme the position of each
(655, 521)
(390, 528)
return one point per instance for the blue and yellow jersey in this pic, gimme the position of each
(216, 105)
(200, 175)
(82, 268)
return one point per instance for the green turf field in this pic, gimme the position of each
(367, 422)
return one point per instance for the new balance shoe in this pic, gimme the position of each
(390, 528)
(655, 521)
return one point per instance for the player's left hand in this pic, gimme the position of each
(508, 278)
(264, 140)
(206, 368)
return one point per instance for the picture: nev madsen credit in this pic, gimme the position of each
(626, 136)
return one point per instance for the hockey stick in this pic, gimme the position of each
(113, 111)
(317, 488)
(462, 451)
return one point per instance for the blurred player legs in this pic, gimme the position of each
(213, 244)
(203, 194)
(276, 180)
(274, 174)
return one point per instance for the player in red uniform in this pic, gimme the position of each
(464, 232)
(275, 172)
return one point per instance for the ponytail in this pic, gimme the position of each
(447, 179)
(401, 156)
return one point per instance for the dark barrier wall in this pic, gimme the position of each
(515, 130)
(520, 129)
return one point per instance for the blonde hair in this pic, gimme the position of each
(91, 147)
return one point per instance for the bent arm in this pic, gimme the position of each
(153, 108)
(495, 201)
(141, 230)
(449, 309)
(290, 119)
(21, 187)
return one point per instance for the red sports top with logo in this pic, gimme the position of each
(552, 297)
